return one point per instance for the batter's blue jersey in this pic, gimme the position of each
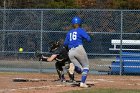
(75, 37)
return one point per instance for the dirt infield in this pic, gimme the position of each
(45, 82)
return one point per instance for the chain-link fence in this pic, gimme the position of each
(115, 38)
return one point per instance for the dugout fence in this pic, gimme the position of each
(33, 29)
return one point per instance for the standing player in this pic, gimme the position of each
(60, 54)
(77, 53)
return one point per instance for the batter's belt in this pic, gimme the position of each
(75, 47)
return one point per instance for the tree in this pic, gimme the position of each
(39, 3)
(96, 4)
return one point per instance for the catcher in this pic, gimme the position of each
(60, 54)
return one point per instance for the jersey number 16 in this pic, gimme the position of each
(73, 36)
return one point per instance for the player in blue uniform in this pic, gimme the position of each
(77, 53)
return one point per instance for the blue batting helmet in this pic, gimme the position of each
(76, 20)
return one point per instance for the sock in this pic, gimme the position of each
(84, 75)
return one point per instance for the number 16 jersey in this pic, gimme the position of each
(75, 36)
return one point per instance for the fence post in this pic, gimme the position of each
(4, 20)
(41, 32)
(121, 38)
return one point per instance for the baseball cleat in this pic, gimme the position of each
(63, 80)
(72, 81)
(83, 85)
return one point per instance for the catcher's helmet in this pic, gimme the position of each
(54, 45)
(76, 20)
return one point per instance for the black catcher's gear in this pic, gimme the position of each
(62, 59)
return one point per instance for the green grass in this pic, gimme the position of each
(104, 91)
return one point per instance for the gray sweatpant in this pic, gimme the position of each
(78, 56)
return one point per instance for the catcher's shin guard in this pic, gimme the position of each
(71, 71)
(71, 68)
(61, 75)
(71, 76)
(60, 71)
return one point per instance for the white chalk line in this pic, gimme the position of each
(5, 77)
(138, 84)
(29, 88)
(115, 80)
(101, 79)
(110, 80)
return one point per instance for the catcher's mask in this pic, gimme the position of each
(54, 45)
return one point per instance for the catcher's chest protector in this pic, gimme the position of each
(62, 53)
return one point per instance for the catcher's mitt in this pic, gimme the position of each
(40, 55)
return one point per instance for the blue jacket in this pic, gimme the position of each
(75, 37)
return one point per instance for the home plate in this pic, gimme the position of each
(20, 80)
(27, 80)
